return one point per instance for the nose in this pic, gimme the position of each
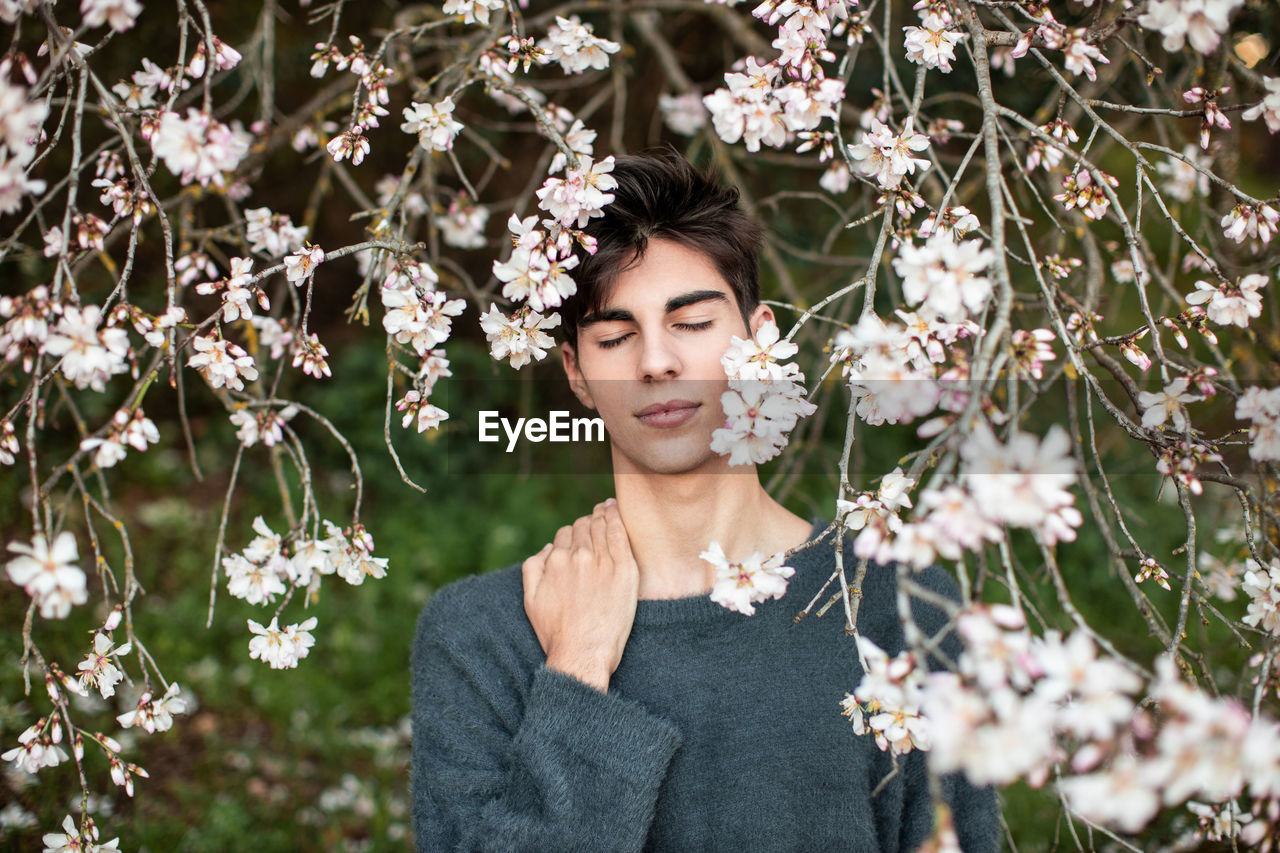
(658, 358)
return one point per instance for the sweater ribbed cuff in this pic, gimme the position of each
(604, 730)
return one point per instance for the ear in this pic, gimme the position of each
(763, 314)
(578, 384)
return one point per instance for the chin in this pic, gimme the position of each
(684, 457)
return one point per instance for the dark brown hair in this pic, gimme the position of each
(665, 196)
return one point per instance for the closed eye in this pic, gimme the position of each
(613, 342)
(610, 343)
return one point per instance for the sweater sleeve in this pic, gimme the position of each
(502, 763)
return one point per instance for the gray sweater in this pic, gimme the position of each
(719, 731)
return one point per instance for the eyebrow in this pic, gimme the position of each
(675, 303)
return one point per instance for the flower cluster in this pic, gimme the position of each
(270, 566)
(576, 47)
(1253, 221)
(155, 714)
(1231, 304)
(740, 586)
(933, 43)
(433, 123)
(758, 106)
(887, 155)
(1200, 22)
(222, 362)
(272, 234)
(1080, 190)
(198, 148)
(38, 746)
(20, 119)
(764, 401)
(892, 368)
(281, 648)
(537, 273)
(136, 431)
(520, 338)
(84, 840)
(886, 702)
(98, 670)
(1268, 109)
(944, 277)
(1079, 52)
(1262, 407)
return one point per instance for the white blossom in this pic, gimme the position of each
(90, 356)
(944, 276)
(198, 148)
(20, 117)
(271, 233)
(575, 46)
(281, 648)
(1022, 482)
(97, 668)
(887, 155)
(1263, 408)
(760, 357)
(49, 574)
(1167, 405)
(932, 44)
(14, 183)
(155, 715)
(463, 224)
(1268, 109)
(580, 195)
(38, 748)
(1258, 221)
(301, 264)
(120, 14)
(1231, 304)
(746, 110)
(222, 363)
(473, 11)
(434, 124)
(886, 702)
(740, 586)
(758, 416)
(1200, 22)
(684, 114)
(519, 339)
(1262, 585)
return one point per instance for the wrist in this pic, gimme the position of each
(593, 673)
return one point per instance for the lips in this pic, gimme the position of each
(672, 413)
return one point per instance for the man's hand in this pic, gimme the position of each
(580, 595)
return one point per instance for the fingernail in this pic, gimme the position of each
(610, 502)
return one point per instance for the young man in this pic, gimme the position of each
(595, 698)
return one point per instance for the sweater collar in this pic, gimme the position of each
(700, 608)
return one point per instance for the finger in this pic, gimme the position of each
(582, 534)
(619, 543)
(564, 538)
(599, 538)
(532, 568)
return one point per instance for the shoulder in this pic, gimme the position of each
(477, 612)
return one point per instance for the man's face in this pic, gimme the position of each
(649, 361)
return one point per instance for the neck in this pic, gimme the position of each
(672, 518)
